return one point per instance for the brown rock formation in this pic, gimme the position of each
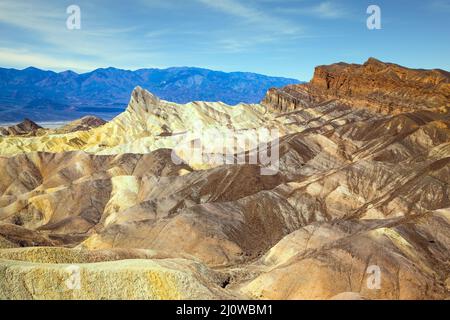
(26, 127)
(83, 124)
(381, 87)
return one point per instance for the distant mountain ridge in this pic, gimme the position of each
(47, 95)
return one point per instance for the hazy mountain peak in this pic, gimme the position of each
(68, 73)
(32, 69)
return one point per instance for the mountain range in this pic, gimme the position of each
(50, 96)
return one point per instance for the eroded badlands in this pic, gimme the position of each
(363, 180)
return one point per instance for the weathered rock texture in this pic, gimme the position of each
(359, 186)
(125, 279)
(381, 87)
(25, 128)
(83, 124)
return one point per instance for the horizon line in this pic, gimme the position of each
(150, 68)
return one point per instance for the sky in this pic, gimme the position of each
(273, 37)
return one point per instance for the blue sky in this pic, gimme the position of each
(274, 37)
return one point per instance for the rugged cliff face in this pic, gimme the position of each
(377, 86)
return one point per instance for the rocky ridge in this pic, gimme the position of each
(24, 128)
(83, 124)
(381, 87)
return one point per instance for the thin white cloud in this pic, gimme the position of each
(326, 10)
(441, 5)
(47, 24)
(24, 58)
(158, 33)
(236, 8)
(40, 27)
(253, 15)
(28, 16)
(234, 45)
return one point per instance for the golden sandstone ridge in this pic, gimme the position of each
(359, 207)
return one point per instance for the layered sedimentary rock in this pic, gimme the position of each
(84, 124)
(26, 127)
(381, 87)
(124, 277)
(359, 191)
(324, 260)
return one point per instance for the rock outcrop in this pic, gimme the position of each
(25, 128)
(377, 86)
(84, 124)
(132, 278)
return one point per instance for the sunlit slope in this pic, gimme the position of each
(147, 124)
